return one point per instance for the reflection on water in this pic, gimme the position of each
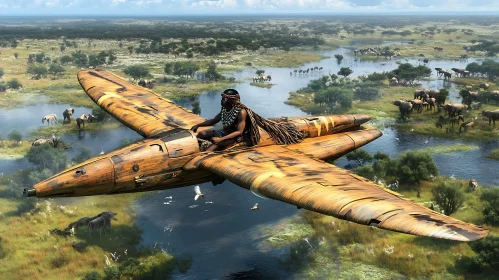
(223, 237)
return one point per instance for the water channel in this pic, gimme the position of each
(220, 233)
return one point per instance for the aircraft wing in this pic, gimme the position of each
(282, 174)
(137, 107)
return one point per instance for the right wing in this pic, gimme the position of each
(280, 173)
(137, 107)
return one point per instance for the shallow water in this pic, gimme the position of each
(224, 237)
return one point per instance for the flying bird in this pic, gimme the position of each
(396, 138)
(197, 189)
(255, 207)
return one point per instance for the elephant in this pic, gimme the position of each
(417, 104)
(404, 108)
(419, 94)
(441, 121)
(453, 109)
(67, 114)
(484, 86)
(142, 83)
(439, 71)
(81, 120)
(447, 75)
(465, 126)
(50, 118)
(431, 103)
(492, 115)
(433, 93)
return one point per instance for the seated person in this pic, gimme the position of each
(241, 124)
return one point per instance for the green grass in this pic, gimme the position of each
(447, 149)
(11, 150)
(262, 85)
(494, 154)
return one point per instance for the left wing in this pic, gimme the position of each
(137, 107)
(282, 174)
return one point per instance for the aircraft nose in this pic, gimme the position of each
(95, 176)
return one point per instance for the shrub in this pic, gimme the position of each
(487, 250)
(414, 166)
(14, 84)
(92, 275)
(490, 196)
(45, 156)
(448, 197)
(15, 135)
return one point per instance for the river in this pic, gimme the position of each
(221, 233)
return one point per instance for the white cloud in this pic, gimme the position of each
(228, 6)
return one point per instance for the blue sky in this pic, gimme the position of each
(171, 7)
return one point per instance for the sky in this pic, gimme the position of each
(217, 7)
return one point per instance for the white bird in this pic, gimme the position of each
(102, 152)
(167, 202)
(396, 138)
(453, 177)
(426, 142)
(255, 207)
(169, 197)
(197, 189)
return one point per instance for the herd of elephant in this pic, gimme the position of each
(262, 78)
(459, 72)
(68, 115)
(426, 98)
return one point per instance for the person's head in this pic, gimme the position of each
(229, 97)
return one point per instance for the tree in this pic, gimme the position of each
(3, 86)
(66, 59)
(196, 109)
(168, 68)
(260, 72)
(15, 135)
(339, 58)
(345, 72)
(130, 49)
(185, 69)
(189, 54)
(366, 92)
(410, 73)
(490, 197)
(414, 166)
(56, 70)
(16, 55)
(96, 60)
(14, 84)
(487, 250)
(212, 73)
(37, 71)
(441, 97)
(80, 59)
(448, 197)
(365, 171)
(46, 157)
(1, 72)
(360, 156)
(62, 47)
(84, 154)
(137, 71)
(333, 95)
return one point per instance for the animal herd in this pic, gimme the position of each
(68, 116)
(306, 71)
(425, 98)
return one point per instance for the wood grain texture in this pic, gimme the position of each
(137, 107)
(280, 173)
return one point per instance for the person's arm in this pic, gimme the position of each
(213, 121)
(241, 124)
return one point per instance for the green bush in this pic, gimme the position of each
(487, 250)
(45, 156)
(14, 84)
(112, 272)
(448, 197)
(15, 135)
(490, 197)
(415, 166)
(92, 275)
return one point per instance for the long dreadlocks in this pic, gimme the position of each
(280, 132)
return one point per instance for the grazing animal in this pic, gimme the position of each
(50, 118)
(404, 107)
(81, 120)
(101, 221)
(39, 142)
(484, 86)
(465, 126)
(473, 184)
(67, 114)
(492, 115)
(197, 190)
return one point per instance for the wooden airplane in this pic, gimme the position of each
(170, 157)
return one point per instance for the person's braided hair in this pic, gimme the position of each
(280, 132)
